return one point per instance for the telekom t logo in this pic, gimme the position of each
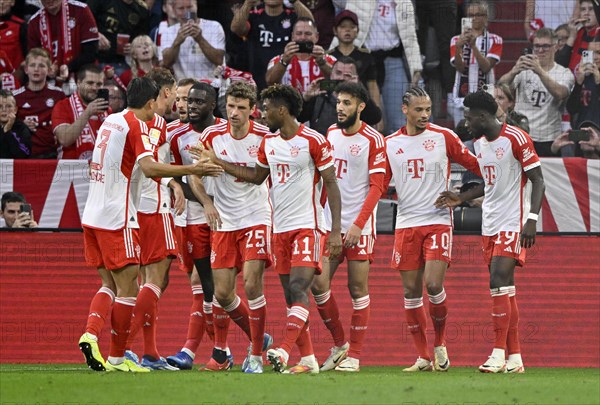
(415, 167)
(341, 167)
(489, 172)
(283, 172)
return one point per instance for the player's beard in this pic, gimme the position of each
(350, 120)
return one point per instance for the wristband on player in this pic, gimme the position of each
(533, 217)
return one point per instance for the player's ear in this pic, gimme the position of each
(361, 106)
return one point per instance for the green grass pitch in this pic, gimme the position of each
(54, 384)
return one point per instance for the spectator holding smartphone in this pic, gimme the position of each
(582, 30)
(16, 212)
(584, 102)
(76, 120)
(302, 61)
(584, 142)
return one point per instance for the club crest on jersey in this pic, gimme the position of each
(429, 145)
(285, 24)
(499, 153)
(49, 102)
(354, 150)
(71, 23)
(253, 150)
(294, 151)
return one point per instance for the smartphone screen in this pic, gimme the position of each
(26, 208)
(577, 135)
(103, 93)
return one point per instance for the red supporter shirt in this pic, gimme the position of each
(10, 29)
(83, 29)
(38, 105)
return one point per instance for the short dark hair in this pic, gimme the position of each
(90, 67)
(481, 101)
(308, 20)
(11, 197)
(186, 81)
(281, 94)
(162, 77)
(346, 60)
(211, 92)
(140, 91)
(413, 92)
(357, 90)
(244, 90)
(6, 94)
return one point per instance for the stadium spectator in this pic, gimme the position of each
(110, 226)
(169, 20)
(584, 102)
(76, 120)
(579, 38)
(388, 30)
(473, 53)
(268, 28)
(358, 151)
(118, 21)
(320, 107)
(419, 157)
(505, 98)
(15, 137)
(562, 35)
(505, 235)
(346, 31)
(8, 74)
(35, 102)
(549, 14)
(116, 96)
(12, 211)
(67, 30)
(323, 13)
(13, 33)
(542, 86)
(194, 46)
(143, 57)
(298, 66)
(563, 146)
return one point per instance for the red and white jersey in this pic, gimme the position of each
(296, 183)
(180, 220)
(420, 165)
(356, 157)
(503, 163)
(156, 198)
(240, 204)
(115, 177)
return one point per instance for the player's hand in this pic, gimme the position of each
(179, 197)
(205, 168)
(352, 236)
(212, 217)
(447, 199)
(528, 234)
(196, 151)
(334, 244)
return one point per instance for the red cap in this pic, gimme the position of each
(346, 14)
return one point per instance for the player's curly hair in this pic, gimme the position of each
(481, 101)
(413, 92)
(162, 77)
(243, 90)
(281, 94)
(356, 90)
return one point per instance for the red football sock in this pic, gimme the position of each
(438, 311)
(239, 313)
(500, 315)
(99, 308)
(304, 342)
(358, 325)
(330, 314)
(512, 337)
(296, 319)
(209, 325)
(417, 324)
(121, 322)
(151, 321)
(258, 317)
(221, 324)
(196, 323)
(144, 314)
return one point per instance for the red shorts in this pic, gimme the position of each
(112, 250)
(298, 248)
(198, 238)
(415, 246)
(231, 249)
(186, 263)
(157, 238)
(361, 252)
(503, 244)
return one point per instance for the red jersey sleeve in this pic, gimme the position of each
(89, 30)
(62, 114)
(320, 151)
(174, 144)
(377, 155)
(453, 49)
(262, 156)
(458, 152)
(495, 50)
(33, 33)
(522, 147)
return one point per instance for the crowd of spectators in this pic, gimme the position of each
(49, 107)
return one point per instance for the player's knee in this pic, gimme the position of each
(357, 290)
(498, 280)
(434, 287)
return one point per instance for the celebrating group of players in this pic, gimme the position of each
(252, 195)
